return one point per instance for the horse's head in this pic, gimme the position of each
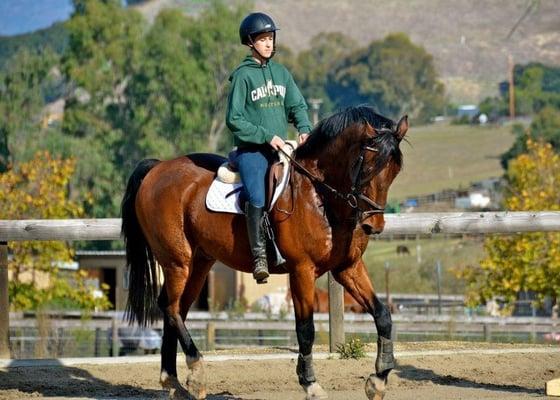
(382, 161)
(357, 152)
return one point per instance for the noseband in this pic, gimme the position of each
(353, 197)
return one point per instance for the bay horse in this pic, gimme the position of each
(322, 222)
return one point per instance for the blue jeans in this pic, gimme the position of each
(252, 164)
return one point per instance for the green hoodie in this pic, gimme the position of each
(263, 98)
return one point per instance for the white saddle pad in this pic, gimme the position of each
(224, 197)
(217, 198)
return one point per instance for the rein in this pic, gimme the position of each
(352, 198)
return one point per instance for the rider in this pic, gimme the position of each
(263, 98)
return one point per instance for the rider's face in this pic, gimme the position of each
(264, 44)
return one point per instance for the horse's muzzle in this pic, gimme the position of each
(373, 225)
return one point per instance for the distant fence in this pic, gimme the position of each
(396, 224)
(103, 334)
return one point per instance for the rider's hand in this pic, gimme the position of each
(277, 143)
(302, 137)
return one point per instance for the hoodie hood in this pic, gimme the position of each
(248, 61)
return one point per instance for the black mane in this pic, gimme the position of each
(329, 128)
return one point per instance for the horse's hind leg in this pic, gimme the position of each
(175, 275)
(196, 380)
(356, 281)
(168, 345)
(182, 286)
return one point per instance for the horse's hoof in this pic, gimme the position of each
(196, 389)
(196, 380)
(315, 392)
(375, 387)
(176, 391)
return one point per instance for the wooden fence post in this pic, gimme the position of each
(114, 337)
(4, 303)
(336, 313)
(210, 336)
(487, 332)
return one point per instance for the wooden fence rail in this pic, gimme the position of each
(404, 224)
(216, 329)
(396, 224)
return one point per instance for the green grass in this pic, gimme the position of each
(415, 273)
(449, 157)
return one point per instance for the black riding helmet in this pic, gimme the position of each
(255, 24)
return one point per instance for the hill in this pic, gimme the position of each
(468, 39)
(443, 156)
(56, 37)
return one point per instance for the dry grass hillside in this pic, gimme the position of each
(442, 156)
(467, 38)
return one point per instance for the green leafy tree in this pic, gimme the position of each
(530, 261)
(537, 86)
(216, 46)
(311, 67)
(145, 93)
(393, 75)
(187, 63)
(545, 126)
(54, 38)
(39, 189)
(21, 98)
(104, 48)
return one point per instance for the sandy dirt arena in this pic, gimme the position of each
(458, 374)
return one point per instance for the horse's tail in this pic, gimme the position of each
(143, 284)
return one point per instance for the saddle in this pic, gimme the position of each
(224, 194)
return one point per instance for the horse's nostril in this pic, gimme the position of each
(370, 230)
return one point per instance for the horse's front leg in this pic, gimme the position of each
(302, 285)
(355, 280)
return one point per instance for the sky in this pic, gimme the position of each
(23, 16)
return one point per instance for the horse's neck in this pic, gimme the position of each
(335, 210)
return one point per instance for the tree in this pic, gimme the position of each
(104, 48)
(39, 189)
(216, 46)
(545, 126)
(53, 37)
(524, 262)
(537, 86)
(144, 93)
(393, 75)
(21, 97)
(311, 67)
(180, 96)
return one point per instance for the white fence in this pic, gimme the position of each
(222, 330)
(396, 224)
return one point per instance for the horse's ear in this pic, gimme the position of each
(370, 130)
(402, 127)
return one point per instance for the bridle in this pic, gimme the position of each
(353, 197)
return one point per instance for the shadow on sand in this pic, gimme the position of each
(57, 380)
(411, 373)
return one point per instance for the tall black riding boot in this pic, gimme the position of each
(257, 240)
